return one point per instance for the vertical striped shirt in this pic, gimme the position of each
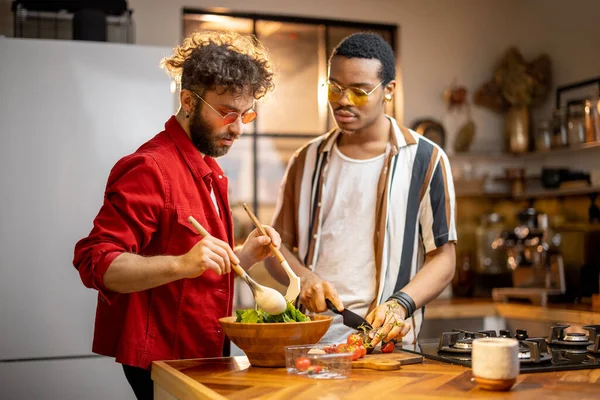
(415, 208)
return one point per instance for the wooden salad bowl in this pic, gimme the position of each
(264, 343)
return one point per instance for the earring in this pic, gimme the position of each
(388, 98)
(187, 115)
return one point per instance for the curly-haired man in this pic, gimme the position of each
(366, 211)
(161, 288)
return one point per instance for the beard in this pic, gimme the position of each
(204, 137)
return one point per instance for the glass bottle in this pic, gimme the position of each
(543, 136)
(559, 132)
(490, 260)
(576, 124)
(591, 121)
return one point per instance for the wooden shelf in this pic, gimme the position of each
(569, 191)
(563, 151)
(523, 157)
(534, 194)
(479, 193)
(483, 157)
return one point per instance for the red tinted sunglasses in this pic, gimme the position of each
(231, 117)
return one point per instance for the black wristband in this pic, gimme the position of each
(405, 301)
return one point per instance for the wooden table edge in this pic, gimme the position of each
(180, 385)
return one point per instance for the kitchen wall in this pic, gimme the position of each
(569, 31)
(440, 41)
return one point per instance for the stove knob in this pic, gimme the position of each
(521, 334)
(505, 333)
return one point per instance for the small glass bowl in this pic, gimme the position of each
(322, 365)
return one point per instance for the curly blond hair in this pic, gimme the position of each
(227, 60)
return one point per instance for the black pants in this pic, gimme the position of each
(140, 382)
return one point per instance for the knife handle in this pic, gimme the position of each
(331, 306)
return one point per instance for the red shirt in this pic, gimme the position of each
(149, 196)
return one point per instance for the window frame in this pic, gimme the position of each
(327, 24)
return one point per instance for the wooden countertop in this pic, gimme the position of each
(581, 314)
(234, 378)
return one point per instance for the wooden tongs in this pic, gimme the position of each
(293, 289)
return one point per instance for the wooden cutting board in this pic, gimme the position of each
(387, 361)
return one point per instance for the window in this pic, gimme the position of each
(72, 20)
(290, 116)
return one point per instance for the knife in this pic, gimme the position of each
(350, 318)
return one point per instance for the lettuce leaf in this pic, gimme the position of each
(291, 314)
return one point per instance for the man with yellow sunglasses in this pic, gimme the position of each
(366, 211)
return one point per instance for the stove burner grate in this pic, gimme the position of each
(594, 336)
(558, 337)
(459, 342)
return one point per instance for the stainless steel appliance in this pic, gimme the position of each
(534, 258)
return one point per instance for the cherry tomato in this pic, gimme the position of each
(363, 351)
(388, 347)
(314, 369)
(354, 339)
(356, 352)
(342, 348)
(302, 363)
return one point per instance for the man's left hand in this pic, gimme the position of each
(256, 248)
(388, 322)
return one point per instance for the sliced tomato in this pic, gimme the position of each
(302, 363)
(330, 349)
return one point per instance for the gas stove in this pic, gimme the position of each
(594, 336)
(562, 350)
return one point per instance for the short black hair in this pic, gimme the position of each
(369, 45)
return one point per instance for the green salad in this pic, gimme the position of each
(291, 314)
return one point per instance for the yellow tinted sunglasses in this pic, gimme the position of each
(356, 96)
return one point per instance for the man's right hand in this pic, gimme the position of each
(314, 291)
(208, 254)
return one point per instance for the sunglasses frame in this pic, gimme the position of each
(344, 90)
(237, 114)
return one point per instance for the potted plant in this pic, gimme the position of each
(514, 89)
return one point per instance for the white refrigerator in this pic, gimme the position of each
(68, 111)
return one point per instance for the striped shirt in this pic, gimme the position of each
(415, 208)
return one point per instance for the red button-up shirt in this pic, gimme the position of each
(149, 196)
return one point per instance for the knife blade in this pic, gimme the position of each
(350, 318)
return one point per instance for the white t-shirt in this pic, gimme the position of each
(346, 252)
